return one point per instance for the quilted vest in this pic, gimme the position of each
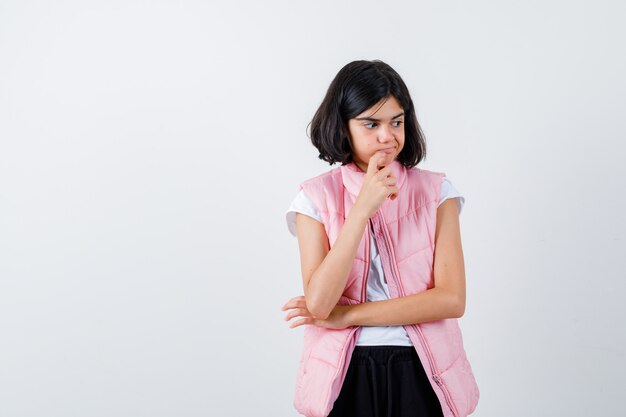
(404, 231)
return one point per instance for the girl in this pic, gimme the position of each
(382, 262)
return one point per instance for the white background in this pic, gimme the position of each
(149, 150)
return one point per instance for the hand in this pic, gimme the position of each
(377, 186)
(338, 318)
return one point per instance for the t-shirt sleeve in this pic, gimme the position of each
(448, 191)
(300, 204)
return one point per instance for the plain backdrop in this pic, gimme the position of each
(150, 149)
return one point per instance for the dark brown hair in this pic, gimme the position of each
(358, 86)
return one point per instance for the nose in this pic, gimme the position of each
(385, 134)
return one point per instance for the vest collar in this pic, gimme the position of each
(353, 176)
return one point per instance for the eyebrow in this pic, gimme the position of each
(372, 119)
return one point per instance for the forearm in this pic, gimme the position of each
(329, 280)
(432, 304)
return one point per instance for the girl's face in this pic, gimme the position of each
(380, 127)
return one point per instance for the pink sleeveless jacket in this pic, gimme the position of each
(404, 230)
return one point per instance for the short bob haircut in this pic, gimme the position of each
(357, 87)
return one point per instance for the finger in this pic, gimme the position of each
(294, 300)
(372, 166)
(385, 172)
(298, 304)
(301, 322)
(297, 312)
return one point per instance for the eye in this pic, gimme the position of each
(370, 125)
(396, 123)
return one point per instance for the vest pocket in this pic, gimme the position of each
(461, 384)
(322, 369)
(309, 335)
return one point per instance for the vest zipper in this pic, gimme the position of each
(368, 255)
(435, 374)
(394, 273)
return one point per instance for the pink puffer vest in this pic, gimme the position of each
(405, 236)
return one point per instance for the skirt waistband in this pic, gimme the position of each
(383, 354)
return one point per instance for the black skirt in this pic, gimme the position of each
(386, 381)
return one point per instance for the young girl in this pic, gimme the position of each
(382, 262)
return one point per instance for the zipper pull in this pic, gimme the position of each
(437, 379)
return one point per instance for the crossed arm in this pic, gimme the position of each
(445, 300)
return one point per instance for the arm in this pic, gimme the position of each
(445, 300)
(325, 271)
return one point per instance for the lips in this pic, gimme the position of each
(388, 150)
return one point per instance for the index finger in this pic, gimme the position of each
(294, 299)
(372, 166)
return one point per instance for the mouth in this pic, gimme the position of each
(388, 150)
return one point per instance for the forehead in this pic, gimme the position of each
(385, 108)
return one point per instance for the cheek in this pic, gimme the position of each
(363, 141)
(371, 140)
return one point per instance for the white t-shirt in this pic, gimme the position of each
(377, 288)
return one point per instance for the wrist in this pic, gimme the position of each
(359, 214)
(351, 315)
